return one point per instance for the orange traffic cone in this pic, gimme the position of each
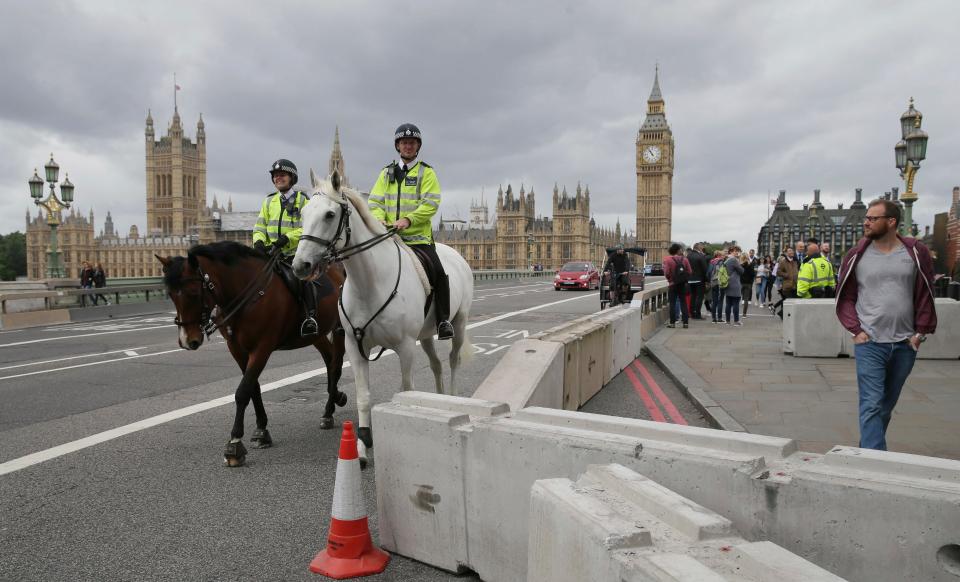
(350, 552)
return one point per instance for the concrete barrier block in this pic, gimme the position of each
(420, 502)
(942, 345)
(768, 562)
(34, 318)
(691, 436)
(689, 518)
(471, 406)
(626, 339)
(788, 329)
(813, 329)
(608, 527)
(586, 348)
(530, 373)
(897, 465)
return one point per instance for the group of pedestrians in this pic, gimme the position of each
(93, 278)
(884, 299)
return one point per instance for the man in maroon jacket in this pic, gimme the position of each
(885, 299)
(676, 268)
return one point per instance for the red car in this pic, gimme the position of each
(577, 275)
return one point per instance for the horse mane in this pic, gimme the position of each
(226, 252)
(360, 205)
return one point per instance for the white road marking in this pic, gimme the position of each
(484, 290)
(70, 337)
(131, 353)
(108, 435)
(114, 360)
(93, 355)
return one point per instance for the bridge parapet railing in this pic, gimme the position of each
(142, 289)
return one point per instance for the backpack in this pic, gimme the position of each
(680, 274)
(723, 276)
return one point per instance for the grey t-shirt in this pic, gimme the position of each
(885, 286)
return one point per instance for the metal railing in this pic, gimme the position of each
(146, 287)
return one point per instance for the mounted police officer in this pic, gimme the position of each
(407, 195)
(280, 224)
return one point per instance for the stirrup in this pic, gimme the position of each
(444, 330)
(309, 327)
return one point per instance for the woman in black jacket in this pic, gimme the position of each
(746, 282)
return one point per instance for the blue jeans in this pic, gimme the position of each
(716, 302)
(762, 290)
(733, 303)
(882, 368)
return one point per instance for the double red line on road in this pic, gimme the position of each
(648, 401)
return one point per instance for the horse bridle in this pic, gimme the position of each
(207, 326)
(332, 254)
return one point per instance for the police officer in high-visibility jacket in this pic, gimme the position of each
(816, 279)
(407, 195)
(280, 224)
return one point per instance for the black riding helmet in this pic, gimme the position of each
(406, 130)
(287, 166)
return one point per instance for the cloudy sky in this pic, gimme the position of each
(760, 96)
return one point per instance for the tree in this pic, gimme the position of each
(13, 256)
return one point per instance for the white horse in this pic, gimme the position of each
(383, 299)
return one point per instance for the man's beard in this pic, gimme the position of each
(874, 234)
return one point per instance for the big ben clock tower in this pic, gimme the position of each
(654, 178)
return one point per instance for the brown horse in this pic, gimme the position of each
(233, 288)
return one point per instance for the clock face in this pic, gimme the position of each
(651, 154)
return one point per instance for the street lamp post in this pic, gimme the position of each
(53, 205)
(909, 152)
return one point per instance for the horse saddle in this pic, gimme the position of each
(430, 270)
(311, 291)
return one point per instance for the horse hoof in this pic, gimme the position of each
(365, 434)
(326, 423)
(261, 439)
(235, 454)
(341, 399)
(362, 455)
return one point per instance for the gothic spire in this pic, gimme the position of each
(655, 93)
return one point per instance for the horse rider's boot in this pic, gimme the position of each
(442, 306)
(309, 326)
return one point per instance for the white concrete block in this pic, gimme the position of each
(626, 339)
(607, 527)
(692, 436)
(862, 524)
(813, 329)
(529, 374)
(887, 464)
(689, 518)
(471, 406)
(420, 497)
(945, 343)
(587, 344)
(768, 562)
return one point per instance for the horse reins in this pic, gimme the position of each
(332, 254)
(255, 287)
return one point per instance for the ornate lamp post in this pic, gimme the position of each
(53, 206)
(909, 152)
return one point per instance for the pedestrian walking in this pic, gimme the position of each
(787, 270)
(732, 293)
(99, 282)
(698, 279)
(885, 300)
(716, 289)
(86, 282)
(746, 282)
(676, 268)
(763, 270)
(771, 279)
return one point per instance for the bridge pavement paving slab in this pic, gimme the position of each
(813, 400)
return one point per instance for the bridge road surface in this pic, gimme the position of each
(151, 499)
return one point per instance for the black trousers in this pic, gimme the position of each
(675, 293)
(696, 299)
(441, 285)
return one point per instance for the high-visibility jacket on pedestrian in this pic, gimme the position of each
(817, 273)
(277, 218)
(415, 197)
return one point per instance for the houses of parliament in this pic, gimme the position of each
(514, 236)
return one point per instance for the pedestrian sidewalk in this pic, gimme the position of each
(742, 372)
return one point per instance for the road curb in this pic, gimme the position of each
(689, 382)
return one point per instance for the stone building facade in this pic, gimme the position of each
(841, 227)
(655, 164)
(952, 262)
(518, 238)
(176, 175)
